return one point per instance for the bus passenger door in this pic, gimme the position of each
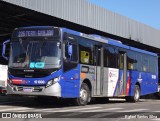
(122, 73)
(98, 63)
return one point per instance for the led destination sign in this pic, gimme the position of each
(33, 33)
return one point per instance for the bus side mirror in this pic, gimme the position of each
(4, 49)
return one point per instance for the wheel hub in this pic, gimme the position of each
(83, 94)
(136, 95)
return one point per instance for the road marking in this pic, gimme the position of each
(156, 119)
(58, 109)
(108, 109)
(79, 109)
(134, 110)
(15, 109)
(4, 106)
(148, 100)
(39, 110)
(74, 114)
(156, 111)
(102, 115)
(90, 111)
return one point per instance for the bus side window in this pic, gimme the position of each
(110, 57)
(121, 60)
(71, 50)
(86, 51)
(85, 57)
(145, 63)
(131, 60)
(153, 64)
(139, 62)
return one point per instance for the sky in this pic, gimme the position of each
(144, 11)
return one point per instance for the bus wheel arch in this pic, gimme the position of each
(138, 84)
(136, 94)
(87, 81)
(85, 93)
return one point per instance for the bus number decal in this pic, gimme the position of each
(39, 81)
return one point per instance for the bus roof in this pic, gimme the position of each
(37, 27)
(107, 41)
(95, 38)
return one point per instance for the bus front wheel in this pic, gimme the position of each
(136, 96)
(84, 95)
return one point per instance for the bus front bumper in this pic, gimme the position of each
(53, 90)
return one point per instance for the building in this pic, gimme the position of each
(79, 15)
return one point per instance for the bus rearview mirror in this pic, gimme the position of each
(4, 49)
(70, 50)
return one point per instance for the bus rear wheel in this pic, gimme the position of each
(84, 95)
(136, 96)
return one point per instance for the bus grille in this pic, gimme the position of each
(34, 89)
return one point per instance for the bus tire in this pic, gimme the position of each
(136, 96)
(84, 95)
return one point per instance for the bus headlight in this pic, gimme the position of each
(52, 81)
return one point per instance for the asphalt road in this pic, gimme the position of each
(25, 109)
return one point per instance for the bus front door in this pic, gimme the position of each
(123, 73)
(98, 63)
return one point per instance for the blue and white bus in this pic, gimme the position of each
(59, 62)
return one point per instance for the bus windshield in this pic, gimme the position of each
(35, 53)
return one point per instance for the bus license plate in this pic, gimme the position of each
(27, 89)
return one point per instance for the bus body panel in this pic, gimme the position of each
(148, 82)
(67, 87)
(71, 83)
(104, 81)
(35, 86)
